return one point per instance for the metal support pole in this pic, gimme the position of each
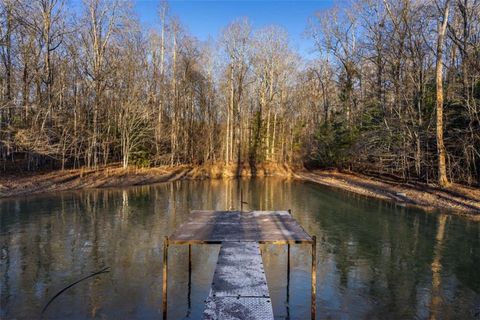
(165, 278)
(314, 277)
(189, 261)
(241, 200)
(288, 264)
(288, 281)
(189, 278)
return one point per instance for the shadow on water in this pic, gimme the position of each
(375, 259)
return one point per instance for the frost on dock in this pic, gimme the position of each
(239, 289)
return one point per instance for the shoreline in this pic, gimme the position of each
(457, 199)
(114, 176)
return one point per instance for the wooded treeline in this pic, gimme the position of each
(90, 86)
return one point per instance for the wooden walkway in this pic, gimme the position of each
(239, 289)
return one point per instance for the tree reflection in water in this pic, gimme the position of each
(375, 259)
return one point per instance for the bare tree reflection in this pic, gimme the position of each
(436, 294)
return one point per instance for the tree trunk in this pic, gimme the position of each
(441, 152)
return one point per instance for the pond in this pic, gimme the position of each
(375, 259)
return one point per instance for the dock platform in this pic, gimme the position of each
(239, 288)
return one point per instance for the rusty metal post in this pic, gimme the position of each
(288, 263)
(189, 278)
(189, 260)
(288, 259)
(165, 278)
(241, 200)
(314, 277)
(288, 281)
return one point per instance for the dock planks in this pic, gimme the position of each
(216, 227)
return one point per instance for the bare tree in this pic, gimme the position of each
(378, 98)
(236, 42)
(441, 29)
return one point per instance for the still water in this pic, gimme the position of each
(376, 260)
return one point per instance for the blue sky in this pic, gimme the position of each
(207, 18)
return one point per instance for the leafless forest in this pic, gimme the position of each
(394, 89)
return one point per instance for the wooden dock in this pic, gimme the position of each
(239, 289)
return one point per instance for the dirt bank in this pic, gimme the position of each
(456, 199)
(33, 183)
(115, 176)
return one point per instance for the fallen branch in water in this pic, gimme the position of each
(104, 270)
